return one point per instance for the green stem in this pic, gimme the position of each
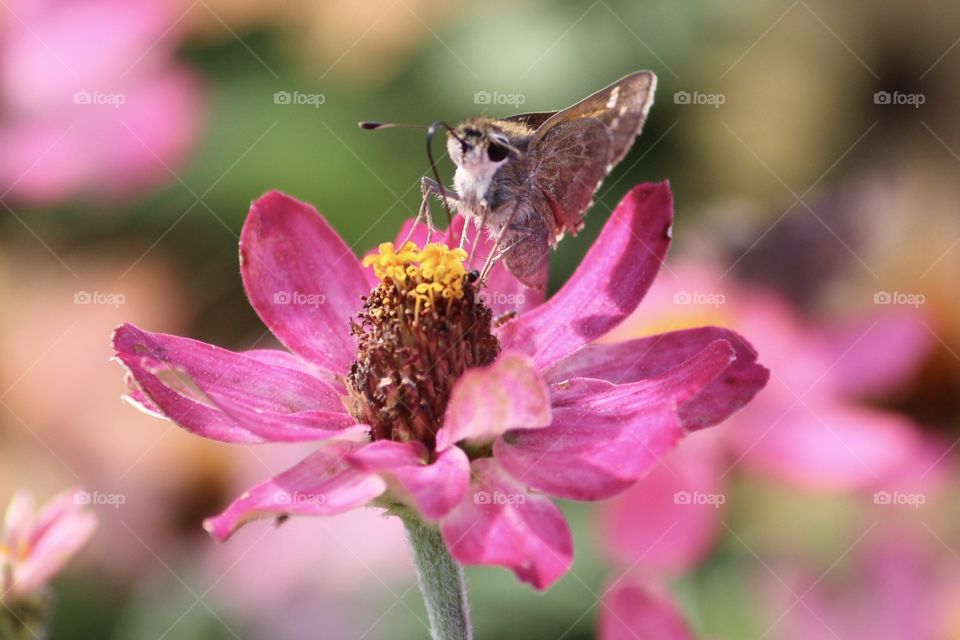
(441, 583)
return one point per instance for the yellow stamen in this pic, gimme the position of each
(422, 274)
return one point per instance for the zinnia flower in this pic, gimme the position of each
(35, 546)
(432, 403)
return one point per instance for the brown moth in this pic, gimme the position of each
(530, 178)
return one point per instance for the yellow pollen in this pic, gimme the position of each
(422, 274)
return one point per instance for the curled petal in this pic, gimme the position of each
(502, 523)
(228, 396)
(635, 360)
(433, 489)
(324, 483)
(304, 282)
(601, 443)
(606, 287)
(632, 611)
(488, 401)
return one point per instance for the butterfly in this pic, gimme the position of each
(530, 178)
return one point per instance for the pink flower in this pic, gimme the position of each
(75, 74)
(812, 427)
(425, 405)
(34, 547)
(631, 610)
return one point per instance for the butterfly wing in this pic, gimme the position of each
(531, 120)
(567, 167)
(622, 107)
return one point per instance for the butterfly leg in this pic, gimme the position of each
(429, 187)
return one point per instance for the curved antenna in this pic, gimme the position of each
(431, 131)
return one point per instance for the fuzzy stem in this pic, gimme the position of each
(441, 583)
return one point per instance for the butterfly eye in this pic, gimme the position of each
(497, 152)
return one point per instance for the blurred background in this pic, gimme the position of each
(813, 149)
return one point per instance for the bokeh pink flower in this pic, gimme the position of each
(94, 104)
(35, 546)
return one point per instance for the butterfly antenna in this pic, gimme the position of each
(431, 131)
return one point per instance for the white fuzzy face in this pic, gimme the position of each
(475, 169)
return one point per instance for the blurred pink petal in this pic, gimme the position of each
(65, 96)
(636, 612)
(607, 286)
(487, 402)
(502, 523)
(324, 483)
(302, 279)
(869, 365)
(824, 445)
(670, 520)
(36, 547)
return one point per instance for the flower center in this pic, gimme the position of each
(419, 330)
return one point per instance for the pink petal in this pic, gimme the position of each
(670, 520)
(634, 360)
(488, 401)
(632, 611)
(600, 444)
(61, 540)
(609, 284)
(324, 483)
(228, 396)
(871, 364)
(302, 279)
(823, 444)
(434, 489)
(502, 523)
(590, 456)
